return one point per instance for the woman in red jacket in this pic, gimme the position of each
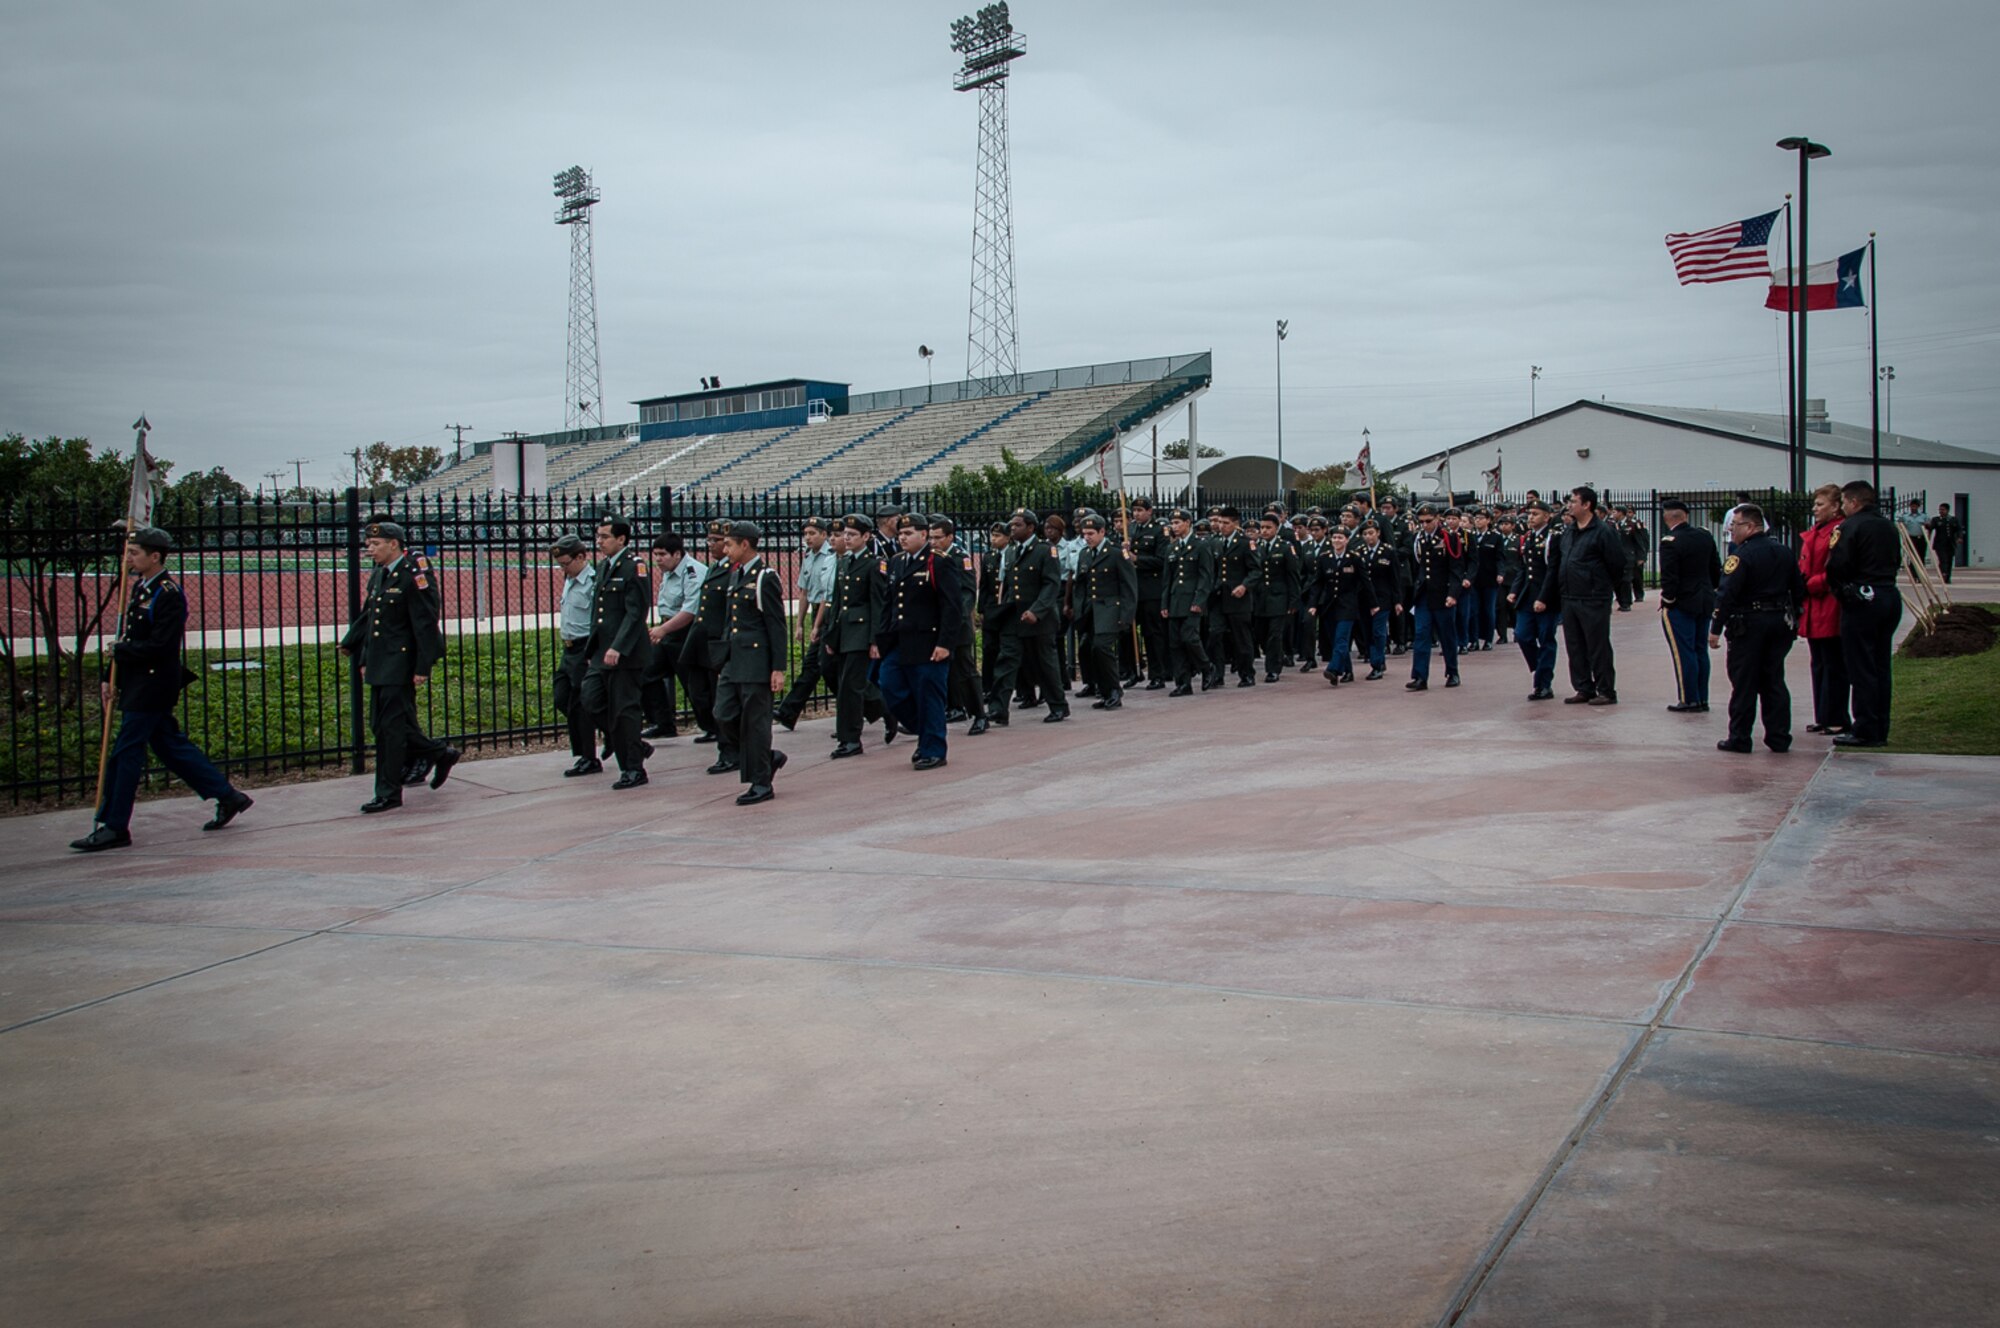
(1819, 620)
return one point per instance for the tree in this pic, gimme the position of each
(398, 466)
(1013, 483)
(206, 487)
(1177, 451)
(1321, 477)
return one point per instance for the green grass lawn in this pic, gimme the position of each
(1947, 706)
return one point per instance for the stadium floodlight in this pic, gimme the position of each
(988, 46)
(583, 399)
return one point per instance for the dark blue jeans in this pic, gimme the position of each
(1440, 625)
(915, 695)
(1536, 633)
(137, 731)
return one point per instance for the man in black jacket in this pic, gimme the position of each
(150, 677)
(1147, 546)
(1189, 585)
(1237, 579)
(1584, 573)
(619, 647)
(1865, 555)
(1385, 589)
(1104, 596)
(1758, 607)
(1690, 570)
(398, 640)
(1030, 614)
(753, 649)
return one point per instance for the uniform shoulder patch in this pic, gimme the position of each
(883, 566)
(423, 582)
(423, 562)
(641, 568)
(1834, 538)
(968, 562)
(1730, 564)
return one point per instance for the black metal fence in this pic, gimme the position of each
(271, 585)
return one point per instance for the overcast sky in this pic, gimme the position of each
(282, 230)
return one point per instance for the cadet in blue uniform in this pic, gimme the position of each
(1757, 606)
(150, 677)
(1536, 624)
(921, 625)
(1342, 597)
(399, 642)
(753, 649)
(1439, 559)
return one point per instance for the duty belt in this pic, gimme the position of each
(1767, 606)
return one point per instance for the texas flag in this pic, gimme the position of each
(1835, 285)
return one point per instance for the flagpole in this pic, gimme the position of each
(143, 469)
(1791, 347)
(1874, 373)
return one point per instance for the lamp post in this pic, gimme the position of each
(1283, 326)
(1808, 151)
(1888, 376)
(1534, 375)
(925, 353)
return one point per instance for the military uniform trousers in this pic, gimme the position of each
(1586, 627)
(1689, 652)
(1238, 641)
(1758, 643)
(612, 697)
(1153, 638)
(1030, 660)
(657, 679)
(568, 697)
(915, 696)
(964, 689)
(1378, 627)
(1441, 626)
(1535, 633)
(1273, 633)
(392, 714)
(743, 726)
(138, 731)
(851, 670)
(1184, 640)
(1100, 662)
(1867, 638)
(813, 669)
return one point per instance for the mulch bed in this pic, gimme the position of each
(1962, 629)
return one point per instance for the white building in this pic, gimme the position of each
(1612, 445)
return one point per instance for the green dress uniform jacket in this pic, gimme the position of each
(756, 636)
(1106, 593)
(1275, 587)
(620, 603)
(397, 637)
(860, 587)
(1033, 581)
(1149, 546)
(1189, 577)
(1236, 565)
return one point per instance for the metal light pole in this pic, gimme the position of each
(1808, 151)
(1888, 377)
(1283, 326)
(924, 353)
(1534, 375)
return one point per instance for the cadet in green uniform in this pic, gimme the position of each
(1189, 578)
(1106, 596)
(620, 602)
(966, 697)
(860, 583)
(1237, 581)
(1031, 615)
(755, 644)
(1277, 593)
(398, 641)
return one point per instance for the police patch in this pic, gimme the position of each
(1730, 564)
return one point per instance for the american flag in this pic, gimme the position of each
(1735, 252)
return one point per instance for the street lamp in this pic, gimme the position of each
(1534, 374)
(925, 353)
(1283, 326)
(1889, 397)
(1808, 151)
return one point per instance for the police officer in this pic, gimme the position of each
(1757, 606)
(1863, 557)
(754, 646)
(922, 624)
(860, 585)
(1189, 582)
(618, 647)
(399, 641)
(150, 676)
(1690, 571)
(1031, 614)
(1105, 598)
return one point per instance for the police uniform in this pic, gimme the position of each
(397, 640)
(1757, 608)
(754, 644)
(1862, 560)
(1189, 581)
(923, 610)
(620, 603)
(150, 677)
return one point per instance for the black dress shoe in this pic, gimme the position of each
(889, 729)
(1739, 745)
(629, 779)
(977, 726)
(701, 737)
(415, 774)
(1373, 675)
(645, 751)
(1542, 694)
(1157, 684)
(1308, 666)
(606, 753)
(1332, 678)
(756, 793)
(1577, 698)
(778, 760)
(1032, 703)
(1701, 707)
(1689, 708)
(723, 765)
(1246, 682)
(789, 719)
(653, 731)
(1810, 728)
(846, 749)
(1086, 690)
(1856, 740)
(1603, 699)
(1185, 689)
(227, 810)
(1270, 677)
(1780, 746)
(928, 763)
(442, 770)
(381, 802)
(1451, 680)
(1056, 716)
(956, 716)
(103, 837)
(585, 765)
(1416, 685)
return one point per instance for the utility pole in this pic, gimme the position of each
(356, 454)
(458, 440)
(1279, 352)
(298, 465)
(1534, 376)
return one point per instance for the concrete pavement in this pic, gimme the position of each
(1281, 1006)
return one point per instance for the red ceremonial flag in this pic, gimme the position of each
(1362, 464)
(1734, 252)
(1835, 285)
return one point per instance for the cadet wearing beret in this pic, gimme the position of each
(150, 677)
(399, 642)
(1190, 581)
(1106, 598)
(755, 647)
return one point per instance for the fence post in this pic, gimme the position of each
(357, 730)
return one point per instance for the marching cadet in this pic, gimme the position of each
(859, 588)
(1189, 584)
(989, 607)
(964, 696)
(1485, 546)
(1689, 574)
(816, 570)
(399, 641)
(677, 582)
(755, 644)
(1342, 597)
(1757, 606)
(1863, 556)
(921, 626)
(1510, 572)
(573, 617)
(1031, 614)
(619, 647)
(1146, 545)
(1535, 624)
(1237, 577)
(1440, 562)
(1276, 595)
(1106, 598)
(1385, 590)
(697, 649)
(150, 679)
(1400, 535)
(1307, 631)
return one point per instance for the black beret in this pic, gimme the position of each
(387, 530)
(570, 544)
(1091, 521)
(748, 531)
(152, 538)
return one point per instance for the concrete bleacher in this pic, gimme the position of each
(1031, 427)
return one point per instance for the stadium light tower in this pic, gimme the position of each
(583, 386)
(988, 46)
